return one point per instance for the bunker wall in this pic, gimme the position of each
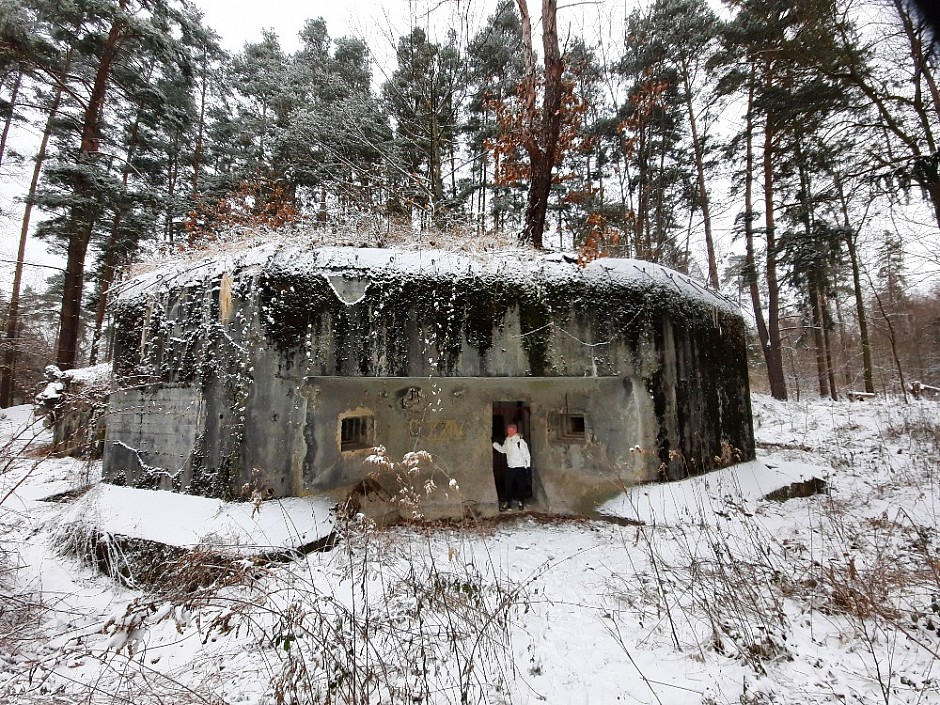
(254, 373)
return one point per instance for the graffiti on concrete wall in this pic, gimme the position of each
(437, 429)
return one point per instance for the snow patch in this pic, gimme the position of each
(349, 290)
(186, 521)
(343, 265)
(707, 496)
(96, 376)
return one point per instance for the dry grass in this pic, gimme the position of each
(362, 232)
(392, 624)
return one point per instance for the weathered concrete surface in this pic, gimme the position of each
(254, 370)
(454, 425)
(151, 435)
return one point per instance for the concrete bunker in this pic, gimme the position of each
(284, 366)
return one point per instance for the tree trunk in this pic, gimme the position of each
(107, 278)
(774, 351)
(827, 345)
(849, 239)
(816, 319)
(483, 193)
(172, 180)
(893, 340)
(816, 285)
(70, 314)
(452, 155)
(843, 345)
(702, 188)
(12, 323)
(14, 93)
(110, 256)
(867, 365)
(644, 243)
(322, 215)
(933, 192)
(890, 117)
(750, 259)
(80, 219)
(198, 147)
(436, 170)
(541, 129)
(920, 59)
(537, 205)
(481, 199)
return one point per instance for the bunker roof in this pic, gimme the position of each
(517, 265)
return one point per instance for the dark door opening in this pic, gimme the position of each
(505, 413)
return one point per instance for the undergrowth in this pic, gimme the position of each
(428, 615)
(864, 566)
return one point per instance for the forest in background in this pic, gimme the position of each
(784, 152)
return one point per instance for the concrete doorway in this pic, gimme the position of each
(505, 413)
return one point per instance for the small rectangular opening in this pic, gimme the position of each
(356, 432)
(572, 428)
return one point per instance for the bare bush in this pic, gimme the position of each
(406, 630)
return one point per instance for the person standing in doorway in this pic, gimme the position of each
(518, 459)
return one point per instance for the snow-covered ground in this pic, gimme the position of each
(700, 592)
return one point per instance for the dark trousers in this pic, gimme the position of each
(514, 484)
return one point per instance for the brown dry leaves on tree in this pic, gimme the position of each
(259, 201)
(601, 241)
(512, 168)
(646, 103)
(507, 146)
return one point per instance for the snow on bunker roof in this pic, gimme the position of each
(350, 269)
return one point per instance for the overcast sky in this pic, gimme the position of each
(240, 21)
(381, 22)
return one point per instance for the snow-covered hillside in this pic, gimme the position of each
(696, 591)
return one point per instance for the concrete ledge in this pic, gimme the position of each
(186, 521)
(735, 489)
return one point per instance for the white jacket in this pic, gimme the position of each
(516, 450)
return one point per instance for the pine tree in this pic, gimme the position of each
(261, 77)
(663, 130)
(335, 137)
(13, 41)
(113, 44)
(11, 345)
(896, 71)
(652, 127)
(690, 32)
(423, 97)
(579, 181)
(495, 67)
(774, 53)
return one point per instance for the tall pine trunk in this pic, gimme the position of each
(107, 278)
(816, 284)
(12, 324)
(699, 154)
(827, 345)
(892, 339)
(816, 319)
(80, 219)
(749, 257)
(14, 94)
(773, 353)
(109, 266)
(849, 239)
(200, 131)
